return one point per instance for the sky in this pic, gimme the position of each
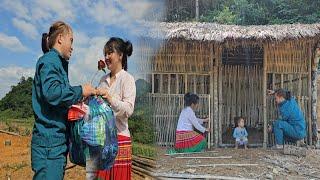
(93, 22)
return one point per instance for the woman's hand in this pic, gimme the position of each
(104, 93)
(270, 92)
(88, 90)
(206, 120)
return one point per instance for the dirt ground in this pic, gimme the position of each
(266, 164)
(269, 164)
(15, 160)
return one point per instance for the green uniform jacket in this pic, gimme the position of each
(52, 95)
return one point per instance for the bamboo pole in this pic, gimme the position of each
(152, 82)
(314, 96)
(161, 84)
(216, 165)
(205, 157)
(169, 83)
(281, 81)
(10, 133)
(220, 93)
(193, 176)
(186, 83)
(309, 95)
(194, 84)
(177, 83)
(264, 91)
(215, 98)
(209, 124)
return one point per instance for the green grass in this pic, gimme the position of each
(21, 126)
(144, 150)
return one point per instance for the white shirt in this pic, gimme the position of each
(188, 120)
(123, 95)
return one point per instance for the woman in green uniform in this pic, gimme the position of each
(52, 95)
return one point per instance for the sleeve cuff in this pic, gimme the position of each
(78, 92)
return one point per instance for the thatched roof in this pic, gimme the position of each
(222, 33)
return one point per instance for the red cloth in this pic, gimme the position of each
(121, 170)
(187, 139)
(77, 112)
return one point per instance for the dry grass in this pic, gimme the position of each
(221, 33)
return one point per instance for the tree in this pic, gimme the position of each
(17, 102)
(246, 12)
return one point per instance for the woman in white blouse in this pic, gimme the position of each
(118, 88)
(187, 139)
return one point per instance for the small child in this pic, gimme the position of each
(240, 133)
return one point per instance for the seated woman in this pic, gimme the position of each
(188, 140)
(291, 123)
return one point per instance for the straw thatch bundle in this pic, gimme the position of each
(222, 33)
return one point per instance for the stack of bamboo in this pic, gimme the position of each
(143, 167)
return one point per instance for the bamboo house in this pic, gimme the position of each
(230, 67)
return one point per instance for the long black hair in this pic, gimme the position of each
(120, 46)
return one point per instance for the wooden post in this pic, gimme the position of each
(214, 93)
(211, 91)
(220, 93)
(309, 95)
(314, 96)
(209, 123)
(264, 91)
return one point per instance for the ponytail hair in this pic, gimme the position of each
(44, 43)
(283, 93)
(120, 46)
(191, 98)
(49, 39)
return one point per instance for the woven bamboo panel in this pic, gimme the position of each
(297, 84)
(175, 56)
(288, 57)
(166, 111)
(241, 96)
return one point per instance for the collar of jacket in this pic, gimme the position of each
(63, 61)
(283, 102)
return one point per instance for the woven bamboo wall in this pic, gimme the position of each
(288, 57)
(175, 68)
(176, 56)
(166, 111)
(289, 66)
(180, 83)
(242, 88)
